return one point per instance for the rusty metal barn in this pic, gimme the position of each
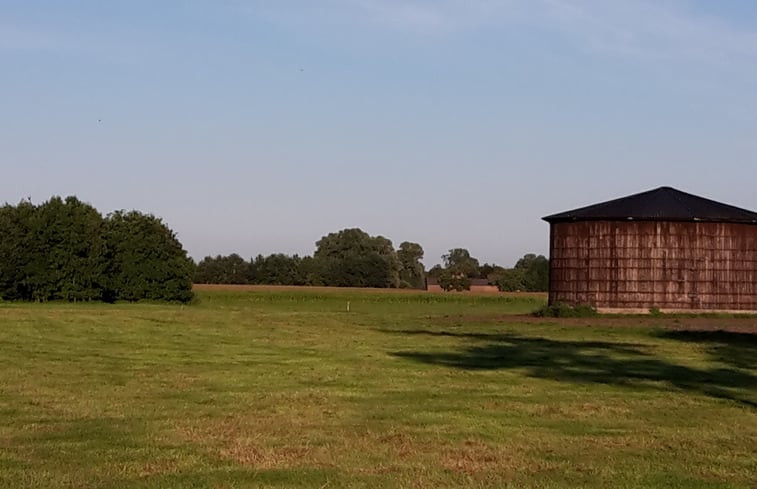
(663, 248)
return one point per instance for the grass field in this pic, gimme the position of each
(285, 388)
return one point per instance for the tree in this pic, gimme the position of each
(536, 272)
(76, 249)
(530, 274)
(278, 269)
(353, 258)
(58, 250)
(435, 272)
(232, 269)
(310, 272)
(63, 249)
(146, 261)
(449, 280)
(512, 280)
(459, 268)
(491, 272)
(16, 250)
(459, 261)
(411, 271)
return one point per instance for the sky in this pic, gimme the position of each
(255, 126)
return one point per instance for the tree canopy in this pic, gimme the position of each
(411, 273)
(64, 249)
(346, 258)
(231, 269)
(458, 271)
(353, 258)
(530, 274)
(146, 261)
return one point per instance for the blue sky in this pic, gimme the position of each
(259, 126)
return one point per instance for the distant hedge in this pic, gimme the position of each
(66, 250)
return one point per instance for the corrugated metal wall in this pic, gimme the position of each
(670, 265)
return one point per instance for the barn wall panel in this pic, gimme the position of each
(635, 264)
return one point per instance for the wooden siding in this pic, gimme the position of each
(670, 265)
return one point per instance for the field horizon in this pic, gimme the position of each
(366, 290)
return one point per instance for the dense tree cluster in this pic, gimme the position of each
(348, 258)
(64, 249)
(276, 269)
(353, 258)
(530, 273)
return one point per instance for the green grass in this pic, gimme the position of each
(287, 389)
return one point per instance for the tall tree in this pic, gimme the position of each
(65, 251)
(353, 258)
(16, 250)
(459, 268)
(80, 251)
(460, 261)
(411, 272)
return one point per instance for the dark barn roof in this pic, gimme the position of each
(660, 204)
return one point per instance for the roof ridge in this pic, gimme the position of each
(659, 204)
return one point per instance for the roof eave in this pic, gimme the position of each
(553, 219)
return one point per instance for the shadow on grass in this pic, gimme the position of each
(736, 349)
(587, 362)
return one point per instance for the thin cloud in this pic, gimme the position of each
(660, 29)
(415, 16)
(404, 14)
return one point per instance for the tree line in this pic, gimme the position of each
(348, 258)
(353, 258)
(64, 249)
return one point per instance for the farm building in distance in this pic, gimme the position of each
(478, 285)
(663, 248)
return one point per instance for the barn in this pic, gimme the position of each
(663, 248)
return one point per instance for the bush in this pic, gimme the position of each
(64, 249)
(560, 310)
(145, 260)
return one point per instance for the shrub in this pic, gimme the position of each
(560, 310)
(63, 249)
